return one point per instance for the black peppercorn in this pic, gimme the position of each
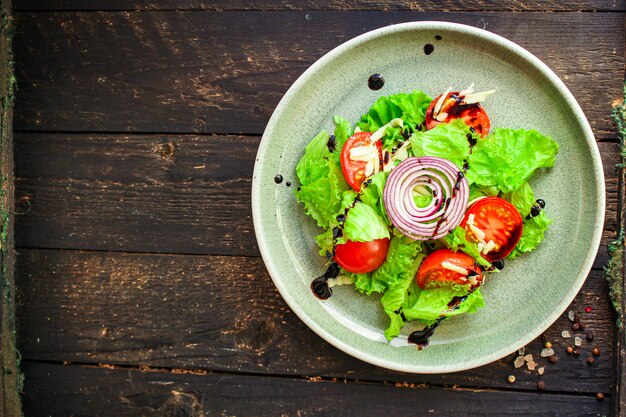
(576, 326)
(577, 352)
(590, 360)
(541, 385)
(600, 396)
(589, 336)
(554, 358)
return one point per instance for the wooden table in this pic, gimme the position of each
(140, 287)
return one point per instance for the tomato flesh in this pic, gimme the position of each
(432, 269)
(354, 171)
(501, 223)
(361, 257)
(474, 115)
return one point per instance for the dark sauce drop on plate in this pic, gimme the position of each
(320, 287)
(278, 179)
(429, 48)
(375, 82)
(422, 337)
(438, 37)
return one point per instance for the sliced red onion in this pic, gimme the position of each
(446, 183)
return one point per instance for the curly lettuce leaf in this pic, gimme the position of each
(433, 303)
(364, 224)
(399, 264)
(343, 130)
(313, 164)
(322, 197)
(522, 198)
(457, 241)
(410, 107)
(507, 158)
(372, 194)
(446, 140)
(532, 235)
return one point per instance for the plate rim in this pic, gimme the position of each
(562, 89)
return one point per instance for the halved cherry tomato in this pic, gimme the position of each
(433, 270)
(500, 221)
(354, 171)
(361, 257)
(472, 114)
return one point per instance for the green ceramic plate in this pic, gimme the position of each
(533, 290)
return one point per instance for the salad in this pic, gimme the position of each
(420, 201)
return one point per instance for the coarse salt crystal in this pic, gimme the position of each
(523, 348)
(566, 334)
(540, 370)
(570, 315)
(578, 341)
(519, 362)
(531, 365)
(547, 352)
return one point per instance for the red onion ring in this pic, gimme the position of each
(450, 195)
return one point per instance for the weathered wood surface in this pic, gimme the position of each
(10, 377)
(425, 5)
(73, 390)
(224, 313)
(158, 193)
(207, 72)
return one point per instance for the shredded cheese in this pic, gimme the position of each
(455, 268)
(340, 280)
(440, 101)
(441, 117)
(480, 235)
(477, 97)
(489, 247)
(397, 122)
(470, 219)
(468, 90)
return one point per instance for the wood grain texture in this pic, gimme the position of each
(427, 5)
(207, 72)
(10, 376)
(224, 313)
(158, 193)
(61, 390)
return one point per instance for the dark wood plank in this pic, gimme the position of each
(72, 390)
(224, 313)
(157, 193)
(10, 377)
(180, 72)
(427, 5)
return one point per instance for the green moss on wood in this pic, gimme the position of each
(614, 269)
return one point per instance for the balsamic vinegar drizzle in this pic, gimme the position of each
(375, 82)
(320, 287)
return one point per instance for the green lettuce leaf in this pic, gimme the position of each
(446, 140)
(507, 158)
(432, 303)
(403, 294)
(313, 164)
(522, 198)
(372, 194)
(343, 130)
(532, 235)
(364, 224)
(325, 241)
(322, 198)
(457, 241)
(410, 107)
